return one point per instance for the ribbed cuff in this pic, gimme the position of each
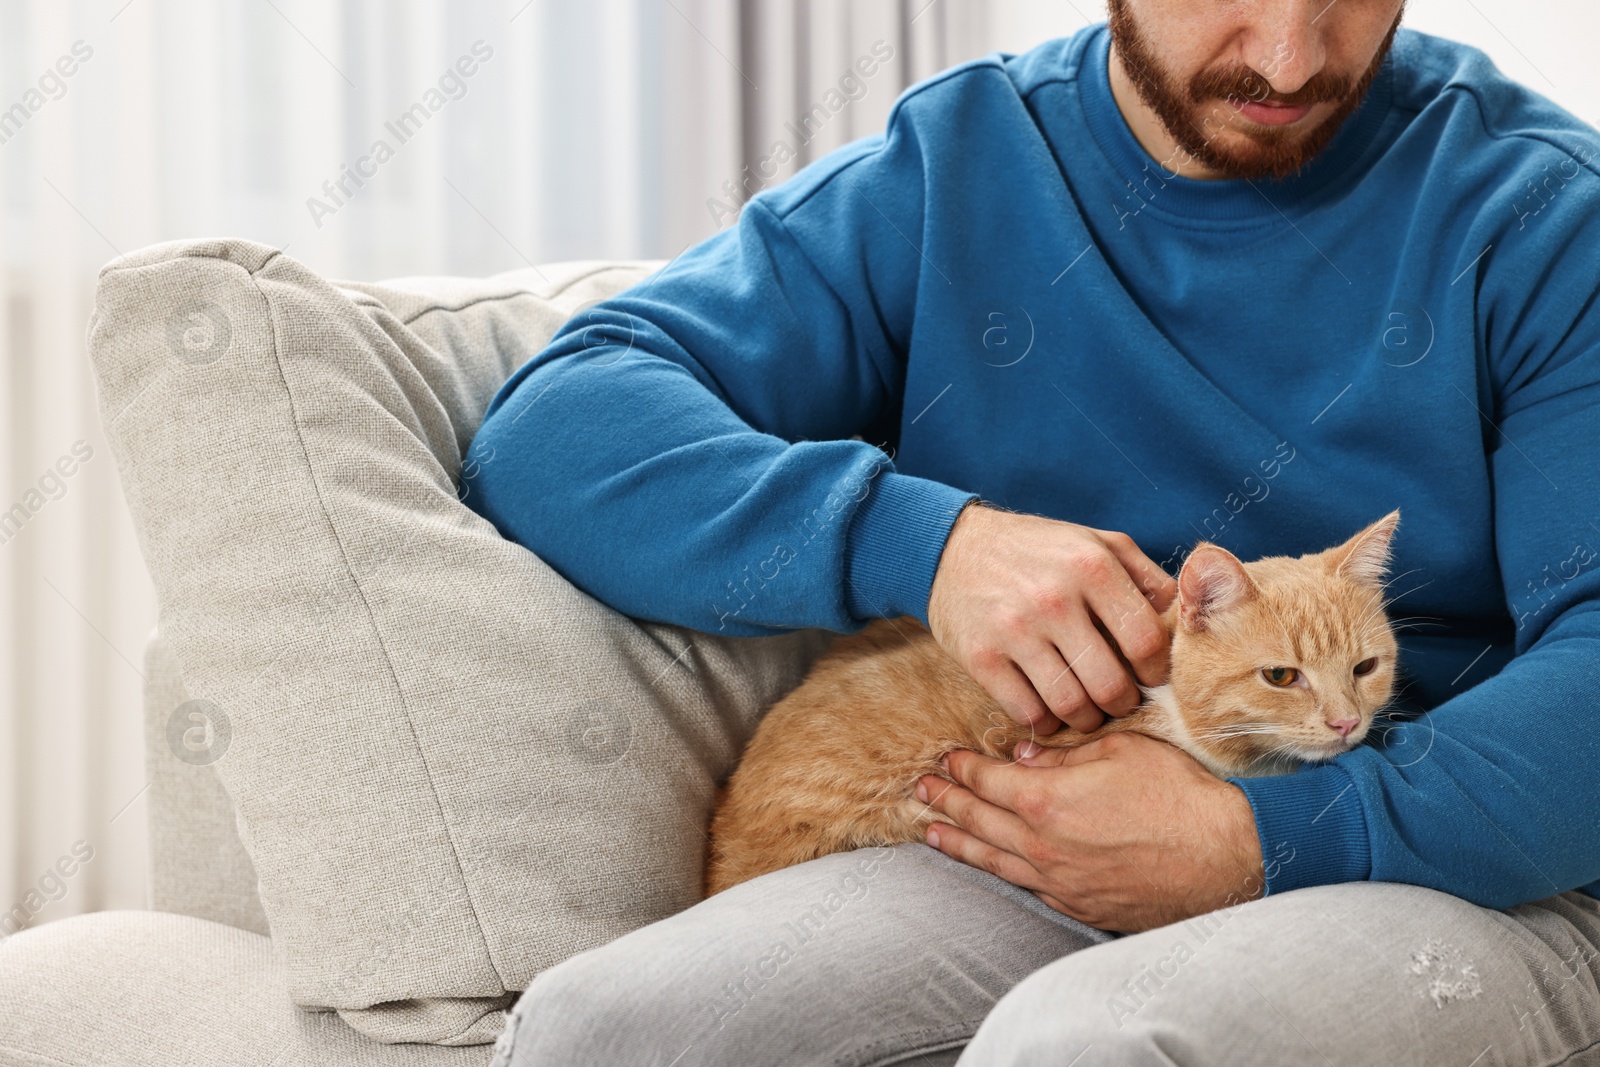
(893, 546)
(1311, 826)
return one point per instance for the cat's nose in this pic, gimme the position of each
(1344, 726)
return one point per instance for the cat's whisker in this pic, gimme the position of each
(1230, 733)
(1399, 576)
(1378, 610)
(1292, 749)
(1408, 592)
(1377, 616)
(1370, 621)
(1397, 712)
(1246, 726)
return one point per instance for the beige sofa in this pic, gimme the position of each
(398, 766)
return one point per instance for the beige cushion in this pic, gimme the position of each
(198, 866)
(141, 989)
(451, 769)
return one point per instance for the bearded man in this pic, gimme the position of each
(1254, 272)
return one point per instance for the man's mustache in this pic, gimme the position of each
(1246, 84)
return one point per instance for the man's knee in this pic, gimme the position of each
(1136, 1001)
(1273, 981)
(1090, 1000)
(575, 1011)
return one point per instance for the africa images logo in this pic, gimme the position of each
(199, 733)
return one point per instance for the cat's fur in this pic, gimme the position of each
(833, 765)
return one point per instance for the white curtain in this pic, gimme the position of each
(585, 128)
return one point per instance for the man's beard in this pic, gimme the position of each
(1271, 152)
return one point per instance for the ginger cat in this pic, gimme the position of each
(1273, 662)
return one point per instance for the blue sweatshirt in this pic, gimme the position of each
(1004, 295)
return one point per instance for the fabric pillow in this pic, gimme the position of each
(198, 865)
(451, 768)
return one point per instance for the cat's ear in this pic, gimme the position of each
(1365, 558)
(1212, 582)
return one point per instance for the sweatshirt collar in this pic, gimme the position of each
(1224, 199)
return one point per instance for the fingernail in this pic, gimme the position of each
(933, 837)
(922, 792)
(1027, 750)
(944, 761)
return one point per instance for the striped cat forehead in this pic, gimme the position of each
(1305, 613)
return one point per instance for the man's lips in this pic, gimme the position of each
(1273, 114)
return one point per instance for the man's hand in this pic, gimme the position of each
(1126, 833)
(1026, 605)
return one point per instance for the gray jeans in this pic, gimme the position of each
(904, 956)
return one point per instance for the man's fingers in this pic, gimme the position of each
(1100, 672)
(1054, 680)
(1120, 742)
(1039, 756)
(1077, 757)
(1155, 585)
(1031, 754)
(1136, 627)
(1015, 692)
(990, 822)
(992, 781)
(959, 844)
(1132, 614)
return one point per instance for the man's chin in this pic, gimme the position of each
(1262, 152)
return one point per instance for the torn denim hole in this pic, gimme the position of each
(1448, 974)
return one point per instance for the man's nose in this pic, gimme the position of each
(1286, 42)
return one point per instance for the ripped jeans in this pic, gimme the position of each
(905, 956)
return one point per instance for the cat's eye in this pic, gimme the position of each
(1366, 666)
(1280, 676)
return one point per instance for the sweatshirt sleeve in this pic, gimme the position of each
(683, 451)
(1492, 795)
